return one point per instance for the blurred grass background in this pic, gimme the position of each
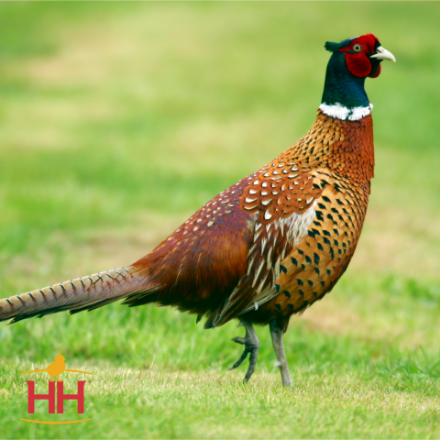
(118, 120)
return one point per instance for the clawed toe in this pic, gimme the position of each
(239, 340)
(240, 360)
(251, 346)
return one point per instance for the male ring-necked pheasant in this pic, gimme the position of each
(270, 245)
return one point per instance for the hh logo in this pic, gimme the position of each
(56, 395)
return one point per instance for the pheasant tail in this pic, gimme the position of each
(87, 293)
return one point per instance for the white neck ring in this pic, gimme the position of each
(341, 112)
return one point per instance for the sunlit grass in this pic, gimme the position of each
(175, 404)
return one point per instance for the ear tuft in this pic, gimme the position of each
(332, 47)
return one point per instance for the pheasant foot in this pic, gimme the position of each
(251, 346)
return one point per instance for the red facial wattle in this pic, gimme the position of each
(358, 63)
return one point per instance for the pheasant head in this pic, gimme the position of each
(352, 61)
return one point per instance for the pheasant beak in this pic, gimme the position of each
(383, 54)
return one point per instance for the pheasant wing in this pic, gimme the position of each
(281, 199)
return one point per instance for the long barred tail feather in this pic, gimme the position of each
(85, 293)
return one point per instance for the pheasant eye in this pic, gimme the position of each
(357, 47)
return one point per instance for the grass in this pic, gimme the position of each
(118, 120)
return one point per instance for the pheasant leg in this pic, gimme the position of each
(251, 346)
(277, 340)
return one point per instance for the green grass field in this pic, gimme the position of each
(118, 120)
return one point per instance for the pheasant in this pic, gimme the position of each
(267, 247)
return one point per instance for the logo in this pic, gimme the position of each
(56, 395)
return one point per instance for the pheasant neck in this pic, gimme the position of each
(344, 94)
(350, 148)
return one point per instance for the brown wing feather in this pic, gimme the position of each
(280, 196)
(200, 264)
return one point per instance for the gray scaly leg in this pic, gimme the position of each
(277, 340)
(251, 345)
